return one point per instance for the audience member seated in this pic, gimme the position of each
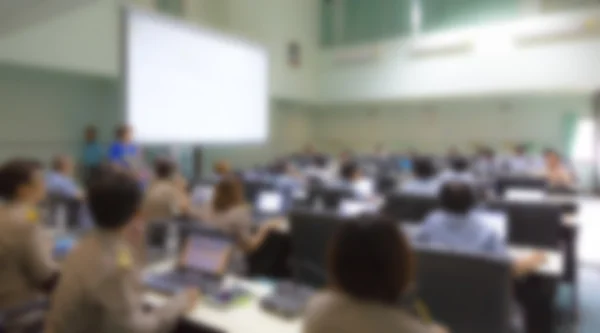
(230, 213)
(458, 171)
(221, 169)
(166, 196)
(352, 177)
(521, 162)
(457, 226)
(99, 288)
(379, 152)
(319, 170)
(556, 172)
(486, 166)
(60, 181)
(425, 181)
(370, 268)
(28, 271)
(286, 177)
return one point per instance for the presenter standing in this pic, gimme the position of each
(123, 153)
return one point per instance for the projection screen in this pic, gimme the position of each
(188, 84)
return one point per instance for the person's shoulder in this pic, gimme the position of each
(322, 304)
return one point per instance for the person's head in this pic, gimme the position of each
(552, 158)
(63, 164)
(369, 259)
(520, 149)
(124, 133)
(221, 168)
(350, 171)
(228, 194)
(453, 151)
(114, 199)
(280, 167)
(309, 149)
(459, 164)
(423, 168)
(345, 156)
(320, 162)
(164, 168)
(488, 153)
(91, 134)
(22, 180)
(457, 198)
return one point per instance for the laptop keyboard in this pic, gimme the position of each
(173, 281)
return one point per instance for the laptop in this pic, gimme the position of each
(269, 204)
(204, 262)
(350, 208)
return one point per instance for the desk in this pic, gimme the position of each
(247, 318)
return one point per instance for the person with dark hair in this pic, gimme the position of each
(319, 170)
(486, 167)
(555, 171)
(521, 162)
(458, 226)
(166, 196)
(424, 181)
(230, 213)
(28, 270)
(123, 151)
(99, 288)
(369, 269)
(60, 179)
(352, 177)
(92, 154)
(459, 170)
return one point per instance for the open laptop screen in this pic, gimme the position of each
(207, 254)
(270, 202)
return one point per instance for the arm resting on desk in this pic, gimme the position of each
(529, 264)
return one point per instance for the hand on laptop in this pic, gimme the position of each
(275, 224)
(192, 297)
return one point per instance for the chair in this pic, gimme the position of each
(467, 293)
(329, 197)
(535, 224)
(252, 188)
(64, 212)
(310, 235)
(385, 184)
(409, 207)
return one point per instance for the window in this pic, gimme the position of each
(582, 149)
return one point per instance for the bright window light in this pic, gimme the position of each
(583, 145)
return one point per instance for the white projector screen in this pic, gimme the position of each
(186, 84)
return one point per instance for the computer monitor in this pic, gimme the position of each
(270, 202)
(207, 254)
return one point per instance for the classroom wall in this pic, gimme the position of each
(489, 60)
(81, 40)
(275, 24)
(44, 112)
(435, 125)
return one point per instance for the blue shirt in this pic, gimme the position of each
(425, 187)
(92, 154)
(59, 184)
(465, 233)
(122, 153)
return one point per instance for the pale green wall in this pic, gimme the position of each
(44, 112)
(434, 126)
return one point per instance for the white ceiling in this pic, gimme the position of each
(17, 14)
